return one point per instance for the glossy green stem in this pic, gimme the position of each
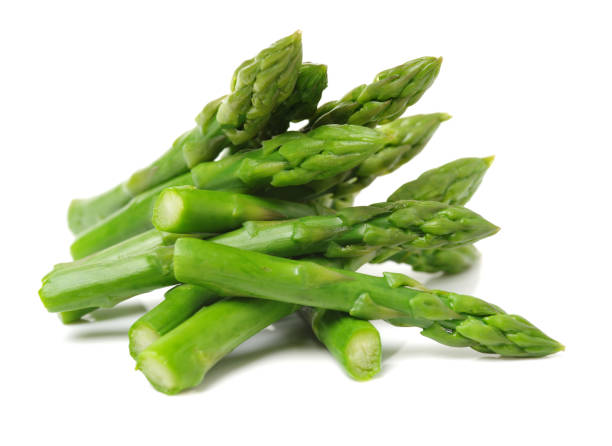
(190, 210)
(180, 359)
(179, 304)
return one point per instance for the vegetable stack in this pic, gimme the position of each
(250, 222)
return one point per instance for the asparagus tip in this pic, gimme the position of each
(489, 160)
(444, 117)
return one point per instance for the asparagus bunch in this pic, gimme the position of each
(282, 234)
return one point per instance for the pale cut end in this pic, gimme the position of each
(141, 336)
(158, 374)
(363, 355)
(168, 211)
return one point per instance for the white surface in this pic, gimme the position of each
(89, 93)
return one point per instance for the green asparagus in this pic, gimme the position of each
(452, 183)
(385, 99)
(351, 232)
(448, 318)
(258, 86)
(187, 210)
(355, 343)
(179, 303)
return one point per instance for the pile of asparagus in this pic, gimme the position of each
(251, 222)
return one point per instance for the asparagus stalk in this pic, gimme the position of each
(190, 210)
(258, 86)
(349, 233)
(179, 303)
(355, 343)
(180, 359)
(448, 318)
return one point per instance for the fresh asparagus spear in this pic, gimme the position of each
(187, 210)
(351, 232)
(289, 159)
(355, 343)
(448, 318)
(180, 359)
(385, 99)
(179, 303)
(258, 86)
(452, 183)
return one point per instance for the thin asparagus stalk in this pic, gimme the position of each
(190, 210)
(258, 86)
(355, 343)
(449, 318)
(351, 232)
(179, 304)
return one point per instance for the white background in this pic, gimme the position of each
(90, 91)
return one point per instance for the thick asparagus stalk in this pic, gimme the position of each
(385, 99)
(188, 210)
(179, 304)
(258, 86)
(452, 319)
(355, 343)
(180, 359)
(351, 232)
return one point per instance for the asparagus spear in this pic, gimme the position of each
(351, 232)
(188, 210)
(452, 183)
(448, 318)
(355, 343)
(180, 359)
(258, 86)
(385, 99)
(179, 303)
(289, 159)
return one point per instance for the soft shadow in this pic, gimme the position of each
(287, 334)
(464, 282)
(110, 333)
(105, 314)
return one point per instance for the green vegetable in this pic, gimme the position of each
(188, 210)
(355, 343)
(385, 99)
(258, 86)
(179, 303)
(181, 358)
(350, 233)
(449, 318)
(452, 183)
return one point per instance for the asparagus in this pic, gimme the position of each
(448, 318)
(179, 303)
(355, 343)
(258, 86)
(188, 210)
(385, 99)
(452, 183)
(290, 159)
(351, 232)
(180, 359)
